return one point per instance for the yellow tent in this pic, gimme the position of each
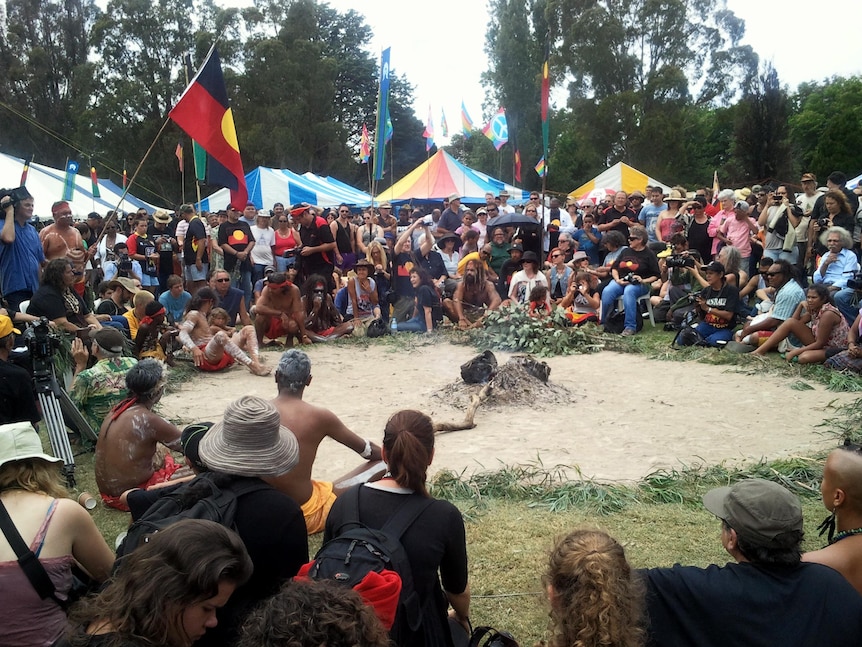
(619, 176)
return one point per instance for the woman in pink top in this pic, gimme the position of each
(286, 238)
(56, 529)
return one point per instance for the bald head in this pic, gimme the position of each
(843, 471)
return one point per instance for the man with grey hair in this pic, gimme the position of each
(95, 390)
(127, 452)
(840, 263)
(767, 596)
(311, 424)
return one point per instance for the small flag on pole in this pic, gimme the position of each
(715, 187)
(179, 153)
(444, 127)
(387, 130)
(125, 176)
(69, 184)
(428, 133)
(540, 167)
(94, 178)
(365, 145)
(466, 122)
(497, 129)
(24, 173)
(517, 165)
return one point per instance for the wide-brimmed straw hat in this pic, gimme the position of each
(250, 441)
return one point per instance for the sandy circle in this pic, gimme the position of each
(626, 416)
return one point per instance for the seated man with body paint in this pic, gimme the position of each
(311, 424)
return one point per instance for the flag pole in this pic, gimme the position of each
(132, 180)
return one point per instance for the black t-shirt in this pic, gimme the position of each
(427, 297)
(642, 263)
(610, 214)
(196, 235)
(505, 277)
(236, 234)
(317, 234)
(433, 264)
(750, 604)
(48, 302)
(727, 298)
(17, 400)
(404, 262)
(434, 542)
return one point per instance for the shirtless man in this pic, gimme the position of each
(842, 495)
(311, 424)
(62, 240)
(323, 322)
(474, 297)
(215, 352)
(127, 455)
(279, 311)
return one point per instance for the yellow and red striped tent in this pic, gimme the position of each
(620, 176)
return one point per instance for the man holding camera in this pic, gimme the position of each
(716, 304)
(21, 255)
(780, 219)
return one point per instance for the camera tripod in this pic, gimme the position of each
(58, 410)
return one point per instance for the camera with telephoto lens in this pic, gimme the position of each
(631, 277)
(290, 253)
(823, 223)
(855, 281)
(42, 342)
(679, 260)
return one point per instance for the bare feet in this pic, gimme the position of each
(257, 369)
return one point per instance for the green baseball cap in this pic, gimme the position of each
(756, 509)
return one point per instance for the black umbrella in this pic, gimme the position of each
(512, 220)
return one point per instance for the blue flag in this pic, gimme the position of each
(382, 115)
(69, 184)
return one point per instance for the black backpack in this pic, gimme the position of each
(210, 496)
(353, 553)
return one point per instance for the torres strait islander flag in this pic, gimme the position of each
(204, 113)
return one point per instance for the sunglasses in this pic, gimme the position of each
(771, 274)
(494, 209)
(634, 238)
(222, 280)
(555, 255)
(283, 220)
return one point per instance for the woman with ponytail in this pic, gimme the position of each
(596, 599)
(434, 542)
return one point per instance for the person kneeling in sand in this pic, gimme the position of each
(842, 495)
(279, 311)
(127, 455)
(311, 424)
(213, 352)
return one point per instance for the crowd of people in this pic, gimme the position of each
(135, 291)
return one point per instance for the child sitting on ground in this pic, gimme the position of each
(539, 304)
(218, 321)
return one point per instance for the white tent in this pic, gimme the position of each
(45, 184)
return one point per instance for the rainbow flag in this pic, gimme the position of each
(365, 146)
(94, 178)
(540, 167)
(428, 133)
(444, 127)
(497, 129)
(466, 122)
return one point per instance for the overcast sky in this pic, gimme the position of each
(438, 45)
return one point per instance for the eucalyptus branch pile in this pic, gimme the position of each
(512, 328)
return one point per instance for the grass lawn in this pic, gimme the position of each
(513, 515)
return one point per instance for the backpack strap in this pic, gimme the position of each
(28, 561)
(405, 515)
(503, 638)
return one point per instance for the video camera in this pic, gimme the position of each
(679, 260)
(42, 342)
(631, 277)
(15, 196)
(855, 281)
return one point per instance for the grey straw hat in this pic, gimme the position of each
(250, 441)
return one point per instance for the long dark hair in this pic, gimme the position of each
(408, 439)
(180, 566)
(204, 294)
(53, 273)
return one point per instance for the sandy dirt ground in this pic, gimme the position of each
(613, 416)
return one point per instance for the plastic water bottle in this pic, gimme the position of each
(393, 325)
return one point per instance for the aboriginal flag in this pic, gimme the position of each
(204, 113)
